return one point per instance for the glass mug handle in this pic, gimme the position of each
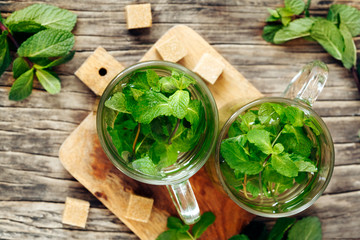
(308, 83)
(185, 202)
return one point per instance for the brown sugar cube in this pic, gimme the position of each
(139, 208)
(98, 70)
(138, 16)
(171, 50)
(75, 212)
(209, 68)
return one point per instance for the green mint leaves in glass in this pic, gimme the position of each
(157, 119)
(275, 155)
(157, 122)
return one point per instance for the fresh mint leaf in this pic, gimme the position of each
(347, 15)
(5, 59)
(176, 223)
(168, 235)
(239, 237)
(308, 228)
(194, 112)
(179, 103)
(349, 54)
(295, 6)
(283, 164)
(232, 150)
(153, 80)
(40, 61)
(151, 105)
(294, 116)
(184, 82)
(267, 115)
(261, 139)
(329, 37)
(59, 61)
(168, 84)
(163, 154)
(278, 148)
(136, 93)
(286, 15)
(39, 16)
(232, 180)
(270, 175)
(270, 31)
(296, 29)
(280, 227)
(307, 7)
(295, 140)
(205, 221)
(247, 121)
(50, 81)
(145, 165)
(117, 102)
(303, 163)
(310, 123)
(47, 43)
(22, 86)
(252, 186)
(19, 67)
(273, 13)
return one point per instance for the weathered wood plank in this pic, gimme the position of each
(41, 220)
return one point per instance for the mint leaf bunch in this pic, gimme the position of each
(48, 46)
(156, 119)
(180, 231)
(334, 33)
(269, 149)
(308, 228)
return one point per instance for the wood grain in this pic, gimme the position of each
(33, 183)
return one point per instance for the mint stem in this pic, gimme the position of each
(175, 129)
(356, 77)
(11, 37)
(191, 236)
(136, 138)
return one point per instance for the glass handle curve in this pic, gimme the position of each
(308, 83)
(185, 202)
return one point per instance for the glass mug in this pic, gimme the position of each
(176, 176)
(301, 93)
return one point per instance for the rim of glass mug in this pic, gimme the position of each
(198, 156)
(255, 103)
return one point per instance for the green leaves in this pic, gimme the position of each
(52, 39)
(40, 16)
(296, 29)
(295, 6)
(268, 148)
(308, 228)
(180, 231)
(334, 34)
(49, 81)
(47, 43)
(329, 37)
(22, 86)
(168, 123)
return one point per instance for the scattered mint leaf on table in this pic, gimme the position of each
(334, 33)
(47, 43)
(180, 231)
(40, 16)
(51, 38)
(22, 86)
(239, 237)
(308, 228)
(280, 227)
(19, 67)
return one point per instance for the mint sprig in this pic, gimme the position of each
(268, 149)
(308, 228)
(180, 231)
(49, 46)
(156, 120)
(334, 33)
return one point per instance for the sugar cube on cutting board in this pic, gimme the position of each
(139, 208)
(75, 212)
(98, 70)
(209, 68)
(171, 50)
(138, 16)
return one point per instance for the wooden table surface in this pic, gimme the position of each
(33, 183)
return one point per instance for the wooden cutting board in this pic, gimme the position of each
(82, 155)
